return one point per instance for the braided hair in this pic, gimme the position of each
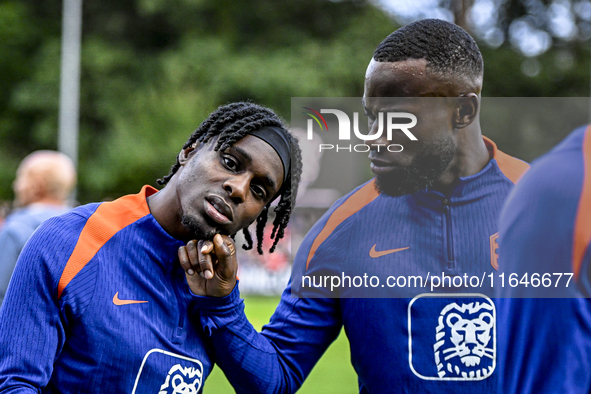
(446, 47)
(231, 123)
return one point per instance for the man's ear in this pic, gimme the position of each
(186, 153)
(38, 189)
(466, 110)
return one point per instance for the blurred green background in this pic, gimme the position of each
(152, 70)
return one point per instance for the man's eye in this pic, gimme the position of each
(230, 163)
(259, 191)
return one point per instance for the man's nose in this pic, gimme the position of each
(377, 129)
(237, 187)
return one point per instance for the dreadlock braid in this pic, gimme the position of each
(247, 238)
(261, 222)
(232, 122)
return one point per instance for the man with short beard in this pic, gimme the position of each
(432, 211)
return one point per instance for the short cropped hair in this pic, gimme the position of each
(446, 47)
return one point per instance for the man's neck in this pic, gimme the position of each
(472, 156)
(48, 201)
(164, 207)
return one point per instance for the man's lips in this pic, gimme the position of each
(380, 167)
(218, 210)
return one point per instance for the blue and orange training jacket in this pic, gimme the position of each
(98, 303)
(545, 232)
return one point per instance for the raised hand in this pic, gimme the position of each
(210, 267)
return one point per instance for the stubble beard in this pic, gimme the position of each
(425, 168)
(195, 229)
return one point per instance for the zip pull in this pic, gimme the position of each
(450, 263)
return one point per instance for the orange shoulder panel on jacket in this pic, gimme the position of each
(354, 203)
(512, 167)
(106, 221)
(582, 230)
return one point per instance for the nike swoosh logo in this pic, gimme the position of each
(117, 301)
(375, 254)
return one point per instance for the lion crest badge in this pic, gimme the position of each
(452, 338)
(165, 372)
(182, 380)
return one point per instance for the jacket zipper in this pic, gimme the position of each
(449, 236)
(178, 332)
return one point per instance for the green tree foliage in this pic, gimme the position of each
(152, 70)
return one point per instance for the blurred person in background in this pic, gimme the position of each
(44, 181)
(5, 209)
(98, 301)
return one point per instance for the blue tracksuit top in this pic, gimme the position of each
(420, 344)
(98, 303)
(545, 228)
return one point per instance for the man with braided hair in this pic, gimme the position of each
(432, 208)
(99, 302)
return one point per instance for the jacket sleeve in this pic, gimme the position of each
(278, 359)
(305, 323)
(32, 331)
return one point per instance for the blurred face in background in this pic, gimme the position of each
(27, 186)
(44, 177)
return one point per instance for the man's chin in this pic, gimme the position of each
(197, 230)
(398, 183)
(424, 170)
